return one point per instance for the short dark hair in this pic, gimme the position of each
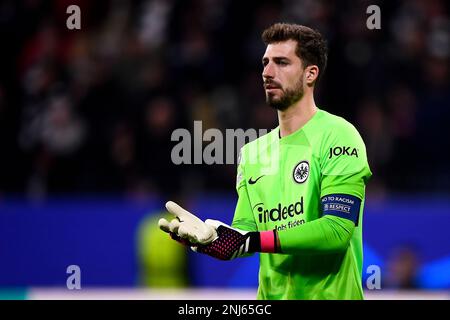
(311, 46)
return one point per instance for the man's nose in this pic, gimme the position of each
(269, 71)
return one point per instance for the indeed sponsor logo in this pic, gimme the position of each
(279, 213)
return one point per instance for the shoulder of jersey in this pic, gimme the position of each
(336, 124)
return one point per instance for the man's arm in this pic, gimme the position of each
(328, 234)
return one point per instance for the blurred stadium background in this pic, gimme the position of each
(86, 118)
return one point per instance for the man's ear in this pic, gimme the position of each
(311, 74)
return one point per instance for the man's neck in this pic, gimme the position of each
(297, 115)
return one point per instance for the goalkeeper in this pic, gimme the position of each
(303, 212)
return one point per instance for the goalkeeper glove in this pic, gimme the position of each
(232, 243)
(227, 242)
(186, 226)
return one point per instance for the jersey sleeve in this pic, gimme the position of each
(243, 214)
(329, 234)
(344, 165)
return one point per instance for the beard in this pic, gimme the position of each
(288, 97)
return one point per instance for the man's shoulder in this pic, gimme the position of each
(334, 126)
(335, 122)
(343, 150)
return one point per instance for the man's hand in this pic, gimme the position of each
(215, 238)
(230, 243)
(187, 226)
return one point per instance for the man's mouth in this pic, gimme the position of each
(271, 86)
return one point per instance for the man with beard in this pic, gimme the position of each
(303, 214)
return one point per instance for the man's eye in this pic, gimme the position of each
(282, 63)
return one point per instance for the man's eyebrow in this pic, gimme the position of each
(279, 58)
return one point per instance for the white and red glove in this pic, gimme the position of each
(215, 238)
(187, 226)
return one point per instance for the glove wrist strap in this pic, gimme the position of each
(265, 241)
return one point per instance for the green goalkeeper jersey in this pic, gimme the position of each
(310, 186)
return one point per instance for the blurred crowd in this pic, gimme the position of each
(93, 110)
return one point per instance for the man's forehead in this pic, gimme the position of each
(281, 49)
